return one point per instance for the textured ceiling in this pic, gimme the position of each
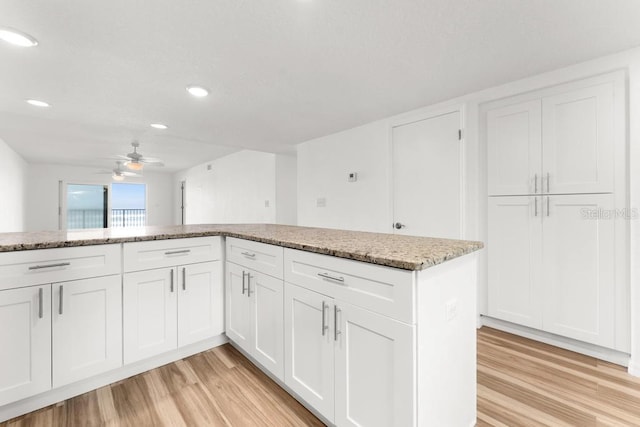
(280, 71)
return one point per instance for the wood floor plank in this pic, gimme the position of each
(520, 383)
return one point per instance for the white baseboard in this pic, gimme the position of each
(634, 368)
(602, 353)
(50, 397)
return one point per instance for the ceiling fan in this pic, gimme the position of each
(136, 161)
(118, 173)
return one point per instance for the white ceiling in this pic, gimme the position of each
(280, 71)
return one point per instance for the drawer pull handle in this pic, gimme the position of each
(180, 252)
(40, 303)
(330, 277)
(324, 321)
(248, 254)
(336, 331)
(39, 267)
(60, 304)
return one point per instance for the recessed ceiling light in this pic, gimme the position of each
(17, 38)
(198, 91)
(38, 103)
(158, 126)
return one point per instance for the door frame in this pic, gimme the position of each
(418, 117)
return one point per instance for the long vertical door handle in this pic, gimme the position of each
(535, 184)
(248, 284)
(40, 303)
(324, 319)
(548, 212)
(336, 331)
(60, 303)
(536, 206)
(172, 280)
(184, 278)
(548, 179)
(244, 289)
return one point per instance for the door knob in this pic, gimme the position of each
(398, 225)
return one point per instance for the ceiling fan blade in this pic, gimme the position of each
(150, 160)
(131, 174)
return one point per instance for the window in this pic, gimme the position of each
(128, 203)
(86, 206)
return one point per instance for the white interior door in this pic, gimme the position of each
(25, 342)
(515, 256)
(200, 302)
(427, 177)
(149, 304)
(578, 267)
(309, 347)
(268, 315)
(87, 328)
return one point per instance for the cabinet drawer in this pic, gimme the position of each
(26, 268)
(383, 290)
(256, 256)
(168, 253)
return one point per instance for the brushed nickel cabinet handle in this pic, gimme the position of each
(548, 179)
(180, 252)
(324, 320)
(60, 303)
(244, 289)
(172, 280)
(336, 331)
(535, 184)
(248, 254)
(60, 264)
(330, 277)
(536, 207)
(40, 303)
(548, 212)
(184, 278)
(248, 284)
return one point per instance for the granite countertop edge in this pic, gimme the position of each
(442, 249)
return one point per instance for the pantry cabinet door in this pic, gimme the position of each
(87, 328)
(514, 259)
(150, 321)
(200, 302)
(578, 141)
(375, 369)
(578, 267)
(309, 347)
(514, 154)
(25, 342)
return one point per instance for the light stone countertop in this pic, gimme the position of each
(404, 252)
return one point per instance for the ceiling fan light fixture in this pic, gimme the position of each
(117, 177)
(38, 103)
(197, 91)
(134, 166)
(17, 38)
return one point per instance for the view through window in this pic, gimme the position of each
(128, 205)
(86, 206)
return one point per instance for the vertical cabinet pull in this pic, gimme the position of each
(244, 289)
(548, 179)
(172, 280)
(248, 284)
(184, 278)
(536, 206)
(40, 304)
(336, 331)
(535, 184)
(324, 319)
(548, 212)
(60, 304)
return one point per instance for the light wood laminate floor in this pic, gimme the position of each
(520, 383)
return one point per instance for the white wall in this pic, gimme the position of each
(43, 197)
(13, 178)
(236, 189)
(286, 189)
(323, 162)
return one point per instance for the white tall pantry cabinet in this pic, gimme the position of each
(556, 210)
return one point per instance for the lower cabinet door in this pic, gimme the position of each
(267, 318)
(579, 267)
(87, 328)
(374, 371)
(238, 307)
(25, 342)
(150, 313)
(200, 302)
(308, 342)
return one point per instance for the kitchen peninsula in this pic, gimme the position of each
(363, 328)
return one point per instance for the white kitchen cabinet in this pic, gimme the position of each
(552, 264)
(87, 328)
(255, 315)
(309, 347)
(578, 275)
(560, 143)
(25, 342)
(374, 369)
(149, 313)
(515, 254)
(168, 308)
